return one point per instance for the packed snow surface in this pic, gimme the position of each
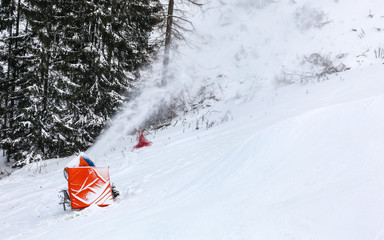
(281, 153)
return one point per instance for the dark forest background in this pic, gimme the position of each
(66, 66)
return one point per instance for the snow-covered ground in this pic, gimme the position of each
(266, 161)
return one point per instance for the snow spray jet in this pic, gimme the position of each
(138, 111)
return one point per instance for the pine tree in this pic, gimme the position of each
(115, 37)
(15, 82)
(6, 25)
(12, 54)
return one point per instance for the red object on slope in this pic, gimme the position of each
(88, 186)
(143, 142)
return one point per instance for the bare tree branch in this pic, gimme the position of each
(174, 29)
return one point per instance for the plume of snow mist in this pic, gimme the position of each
(151, 102)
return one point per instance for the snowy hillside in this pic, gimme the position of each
(286, 142)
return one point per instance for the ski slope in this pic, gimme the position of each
(275, 172)
(266, 161)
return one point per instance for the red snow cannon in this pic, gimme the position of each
(87, 186)
(143, 142)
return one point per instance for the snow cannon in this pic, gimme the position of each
(142, 141)
(87, 185)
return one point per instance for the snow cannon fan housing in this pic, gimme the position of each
(89, 186)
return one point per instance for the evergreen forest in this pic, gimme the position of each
(66, 66)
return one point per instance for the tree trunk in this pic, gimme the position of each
(15, 65)
(8, 107)
(168, 39)
(47, 60)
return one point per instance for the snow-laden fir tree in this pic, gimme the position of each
(13, 56)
